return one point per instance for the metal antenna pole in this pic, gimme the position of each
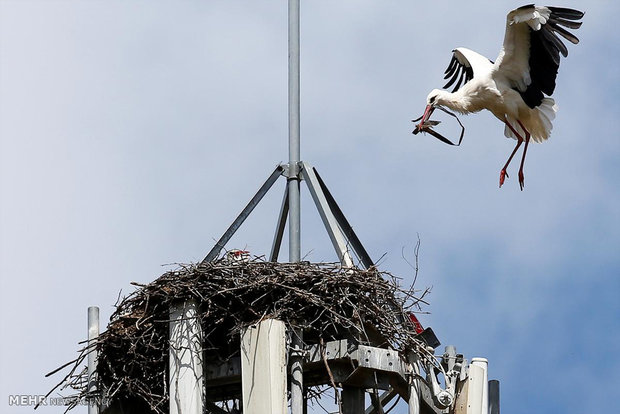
(294, 202)
(293, 132)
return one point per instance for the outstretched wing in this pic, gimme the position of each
(465, 64)
(530, 57)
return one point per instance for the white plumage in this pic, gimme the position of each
(516, 87)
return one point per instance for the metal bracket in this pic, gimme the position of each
(292, 171)
(455, 368)
(380, 359)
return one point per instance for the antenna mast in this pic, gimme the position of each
(294, 202)
(294, 199)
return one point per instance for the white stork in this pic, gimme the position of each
(516, 88)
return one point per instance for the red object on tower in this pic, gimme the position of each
(416, 323)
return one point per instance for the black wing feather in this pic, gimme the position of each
(566, 23)
(563, 32)
(457, 72)
(553, 45)
(458, 84)
(566, 13)
(453, 79)
(545, 50)
(451, 67)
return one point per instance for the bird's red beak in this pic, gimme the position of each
(427, 113)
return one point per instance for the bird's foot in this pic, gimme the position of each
(502, 176)
(521, 179)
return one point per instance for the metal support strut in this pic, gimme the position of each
(341, 233)
(215, 251)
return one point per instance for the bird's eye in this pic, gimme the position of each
(432, 100)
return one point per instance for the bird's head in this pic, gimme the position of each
(434, 97)
(432, 100)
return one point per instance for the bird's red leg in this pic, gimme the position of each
(503, 174)
(527, 141)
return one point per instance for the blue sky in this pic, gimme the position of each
(132, 134)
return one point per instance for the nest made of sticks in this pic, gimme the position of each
(326, 300)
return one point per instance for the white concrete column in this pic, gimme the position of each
(93, 334)
(483, 363)
(186, 380)
(478, 388)
(263, 368)
(414, 386)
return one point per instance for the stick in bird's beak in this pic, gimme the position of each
(424, 122)
(426, 125)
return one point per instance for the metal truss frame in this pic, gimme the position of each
(341, 234)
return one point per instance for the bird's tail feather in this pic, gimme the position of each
(547, 110)
(539, 125)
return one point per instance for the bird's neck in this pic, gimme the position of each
(455, 101)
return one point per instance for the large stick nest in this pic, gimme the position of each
(324, 299)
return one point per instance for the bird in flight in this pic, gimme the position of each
(517, 87)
